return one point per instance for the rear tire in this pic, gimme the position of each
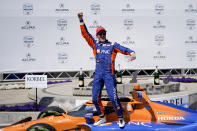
(53, 110)
(41, 127)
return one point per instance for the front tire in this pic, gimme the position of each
(41, 127)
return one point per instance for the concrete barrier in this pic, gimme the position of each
(124, 89)
(12, 117)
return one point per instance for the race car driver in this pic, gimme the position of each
(105, 54)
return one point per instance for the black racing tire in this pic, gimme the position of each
(83, 128)
(41, 127)
(53, 110)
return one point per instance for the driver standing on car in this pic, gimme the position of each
(105, 54)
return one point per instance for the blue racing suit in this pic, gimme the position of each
(105, 54)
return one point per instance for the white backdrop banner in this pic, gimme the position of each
(44, 35)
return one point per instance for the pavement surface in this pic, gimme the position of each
(10, 97)
(22, 96)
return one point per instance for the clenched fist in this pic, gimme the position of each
(80, 16)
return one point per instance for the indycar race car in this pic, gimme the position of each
(140, 113)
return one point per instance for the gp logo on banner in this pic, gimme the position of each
(62, 24)
(28, 9)
(159, 9)
(191, 24)
(128, 24)
(159, 39)
(95, 8)
(191, 55)
(28, 41)
(62, 58)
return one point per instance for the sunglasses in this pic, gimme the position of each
(101, 33)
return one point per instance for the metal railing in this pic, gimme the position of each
(88, 74)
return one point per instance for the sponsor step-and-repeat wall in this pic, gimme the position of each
(44, 35)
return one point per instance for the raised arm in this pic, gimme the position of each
(88, 37)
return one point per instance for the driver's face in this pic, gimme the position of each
(101, 36)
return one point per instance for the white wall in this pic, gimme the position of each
(162, 32)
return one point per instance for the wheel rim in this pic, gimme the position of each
(39, 129)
